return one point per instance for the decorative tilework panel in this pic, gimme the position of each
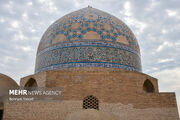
(89, 43)
(97, 56)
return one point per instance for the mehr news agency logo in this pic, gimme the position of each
(35, 94)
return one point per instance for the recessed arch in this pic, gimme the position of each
(148, 87)
(1, 114)
(31, 83)
(91, 102)
(1, 110)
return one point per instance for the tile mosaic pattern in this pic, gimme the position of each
(88, 23)
(88, 54)
(88, 38)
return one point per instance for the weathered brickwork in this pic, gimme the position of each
(72, 110)
(119, 93)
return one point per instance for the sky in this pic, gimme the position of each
(155, 23)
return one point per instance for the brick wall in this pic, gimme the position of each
(119, 92)
(67, 109)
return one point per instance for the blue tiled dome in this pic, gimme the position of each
(88, 38)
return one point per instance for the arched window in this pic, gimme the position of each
(148, 87)
(90, 102)
(31, 83)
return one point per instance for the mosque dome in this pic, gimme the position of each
(88, 38)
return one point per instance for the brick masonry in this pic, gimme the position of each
(72, 110)
(120, 93)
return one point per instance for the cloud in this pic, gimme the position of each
(29, 3)
(170, 79)
(171, 13)
(164, 60)
(127, 8)
(15, 24)
(164, 46)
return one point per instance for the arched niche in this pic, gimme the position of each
(1, 114)
(31, 83)
(1, 110)
(148, 87)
